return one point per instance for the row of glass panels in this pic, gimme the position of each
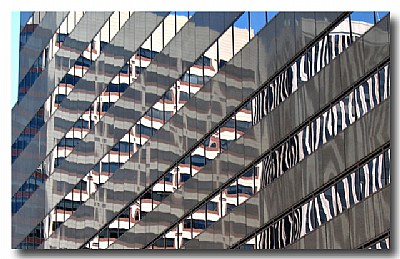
(232, 129)
(303, 143)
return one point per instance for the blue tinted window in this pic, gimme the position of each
(185, 78)
(113, 88)
(199, 224)
(187, 223)
(230, 207)
(126, 69)
(212, 206)
(245, 189)
(203, 61)
(168, 177)
(71, 142)
(198, 160)
(81, 124)
(222, 63)
(147, 53)
(184, 177)
(183, 96)
(139, 70)
(70, 79)
(82, 61)
(242, 125)
(59, 98)
(61, 37)
(157, 114)
(231, 189)
(124, 147)
(82, 185)
(123, 87)
(106, 106)
(110, 167)
(58, 161)
(147, 131)
(102, 45)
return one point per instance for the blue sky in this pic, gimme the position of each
(15, 29)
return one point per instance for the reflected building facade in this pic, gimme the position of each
(195, 130)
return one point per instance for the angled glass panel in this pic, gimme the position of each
(361, 22)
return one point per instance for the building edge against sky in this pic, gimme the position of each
(227, 118)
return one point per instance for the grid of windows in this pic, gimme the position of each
(283, 83)
(188, 165)
(187, 86)
(297, 147)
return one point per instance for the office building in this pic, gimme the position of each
(202, 130)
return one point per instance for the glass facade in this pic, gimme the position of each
(161, 141)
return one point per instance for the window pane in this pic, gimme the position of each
(340, 37)
(243, 120)
(214, 210)
(197, 159)
(271, 15)
(387, 166)
(227, 133)
(380, 15)
(361, 22)
(199, 221)
(241, 32)
(246, 186)
(229, 198)
(257, 22)
(184, 172)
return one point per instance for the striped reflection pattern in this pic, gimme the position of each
(326, 126)
(324, 206)
(381, 244)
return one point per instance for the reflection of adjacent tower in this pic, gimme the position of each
(189, 84)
